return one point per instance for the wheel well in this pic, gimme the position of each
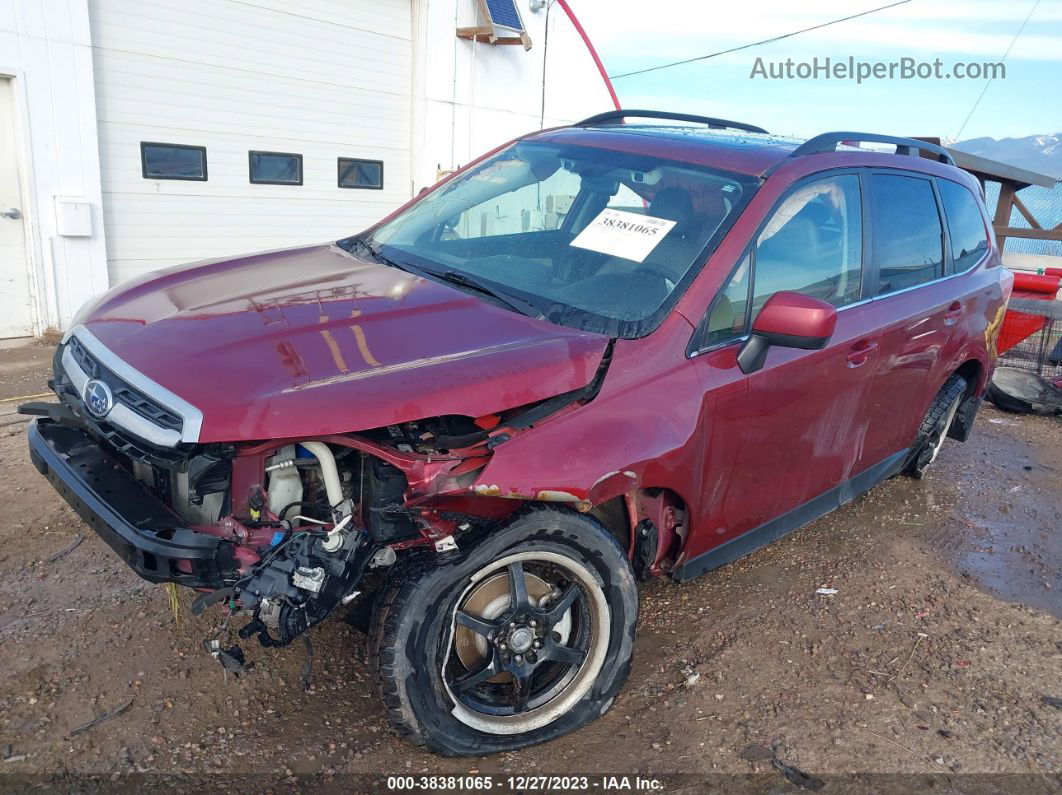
(963, 425)
(971, 371)
(663, 508)
(614, 516)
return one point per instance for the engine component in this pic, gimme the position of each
(385, 514)
(384, 557)
(446, 544)
(231, 659)
(301, 581)
(308, 579)
(330, 474)
(285, 483)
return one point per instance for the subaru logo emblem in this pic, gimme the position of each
(98, 398)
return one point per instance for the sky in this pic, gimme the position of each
(633, 35)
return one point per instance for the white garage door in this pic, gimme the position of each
(322, 79)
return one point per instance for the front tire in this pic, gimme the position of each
(935, 427)
(526, 637)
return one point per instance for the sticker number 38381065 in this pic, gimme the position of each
(622, 234)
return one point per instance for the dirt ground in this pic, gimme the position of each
(941, 651)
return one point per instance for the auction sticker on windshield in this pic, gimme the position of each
(622, 234)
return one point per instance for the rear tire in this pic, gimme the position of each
(935, 427)
(471, 662)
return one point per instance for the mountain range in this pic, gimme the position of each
(1041, 153)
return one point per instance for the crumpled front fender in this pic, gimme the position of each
(626, 438)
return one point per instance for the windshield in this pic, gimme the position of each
(590, 238)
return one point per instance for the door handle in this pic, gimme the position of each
(955, 311)
(12, 212)
(860, 353)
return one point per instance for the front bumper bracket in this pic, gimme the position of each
(152, 539)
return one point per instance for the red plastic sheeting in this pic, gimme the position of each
(1035, 283)
(1018, 326)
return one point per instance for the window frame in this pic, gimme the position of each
(986, 228)
(250, 168)
(143, 160)
(946, 266)
(696, 346)
(339, 173)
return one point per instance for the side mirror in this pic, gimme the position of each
(789, 320)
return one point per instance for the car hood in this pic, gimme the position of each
(313, 340)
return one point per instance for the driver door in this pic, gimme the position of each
(778, 441)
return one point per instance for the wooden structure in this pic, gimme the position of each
(1011, 179)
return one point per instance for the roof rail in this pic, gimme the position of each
(827, 142)
(718, 124)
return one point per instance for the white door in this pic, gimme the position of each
(16, 314)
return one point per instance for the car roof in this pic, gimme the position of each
(750, 153)
(727, 150)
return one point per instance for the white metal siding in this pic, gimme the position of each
(322, 78)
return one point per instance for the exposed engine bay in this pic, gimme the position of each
(307, 519)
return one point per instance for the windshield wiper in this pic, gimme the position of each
(363, 246)
(356, 242)
(515, 303)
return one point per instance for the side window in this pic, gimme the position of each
(969, 239)
(908, 239)
(726, 319)
(813, 244)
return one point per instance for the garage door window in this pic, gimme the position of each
(275, 168)
(173, 161)
(355, 173)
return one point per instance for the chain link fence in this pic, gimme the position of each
(1046, 206)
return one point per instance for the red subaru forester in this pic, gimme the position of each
(642, 345)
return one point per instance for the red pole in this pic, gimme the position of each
(593, 53)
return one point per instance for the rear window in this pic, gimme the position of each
(966, 227)
(908, 239)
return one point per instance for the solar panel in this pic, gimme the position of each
(504, 13)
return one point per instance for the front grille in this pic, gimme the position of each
(146, 408)
(134, 447)
(124, 393)
(84, 358)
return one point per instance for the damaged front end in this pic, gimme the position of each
(284, 531)
(280, 532)
(309, 518)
